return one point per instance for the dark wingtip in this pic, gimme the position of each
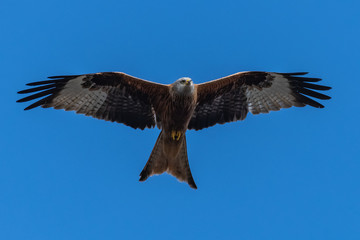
(318, 105)
(53, 77)
(293, 73)
(28, 108)
(64, 76)
(298, 73)
(21, 100)
(313, 94)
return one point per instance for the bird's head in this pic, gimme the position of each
(183, 86)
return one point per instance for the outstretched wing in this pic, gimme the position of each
(231, 98)
(111, 96)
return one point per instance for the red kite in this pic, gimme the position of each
(174, 108)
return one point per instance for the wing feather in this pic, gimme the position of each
(111, 96)
(231, 98)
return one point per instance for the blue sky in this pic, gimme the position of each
(292, 174)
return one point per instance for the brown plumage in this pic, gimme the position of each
(174, 108)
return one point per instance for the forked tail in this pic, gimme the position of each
(160, 162)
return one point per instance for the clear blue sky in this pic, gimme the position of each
(292, 174)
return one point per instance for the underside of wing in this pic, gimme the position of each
(231, 98)
(111, 96)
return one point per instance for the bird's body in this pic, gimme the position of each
(174, 108)
(169, 153)
(182, 102)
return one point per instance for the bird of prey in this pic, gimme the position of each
(174, 108)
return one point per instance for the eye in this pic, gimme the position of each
(183, 81)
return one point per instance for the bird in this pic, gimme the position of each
(174, 108)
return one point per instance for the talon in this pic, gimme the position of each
(178, 136)
(175, 135)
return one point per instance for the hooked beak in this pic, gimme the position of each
(188, 82)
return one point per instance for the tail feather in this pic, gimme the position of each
(179, 167)
(160, 162)
(157, 162)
